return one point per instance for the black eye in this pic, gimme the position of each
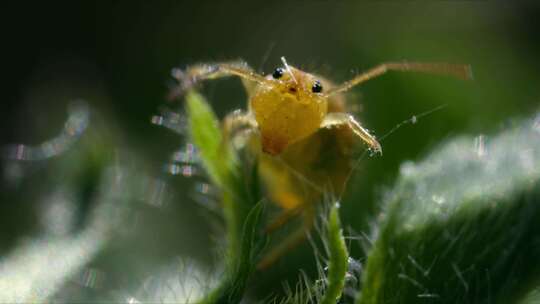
(317, 87)
(278, 73)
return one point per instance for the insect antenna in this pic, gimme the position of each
(266, 55)
(459, 71)
(288, 68)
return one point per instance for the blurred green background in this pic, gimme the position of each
(117, 57)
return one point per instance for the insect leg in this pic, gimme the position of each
(235, 122)
(340, 119)
(196, 73)
(282, 219)
(461, 71)
(291, 241)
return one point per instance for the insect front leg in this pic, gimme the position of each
(236, 121)
(196, 73)
(340, 119)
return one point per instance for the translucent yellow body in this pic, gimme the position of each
(303, 134)
(287, 111)
(309, 167)
(298, 160)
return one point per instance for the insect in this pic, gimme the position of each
(303, 133)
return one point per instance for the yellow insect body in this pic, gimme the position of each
(308, 168)
(288, 111)
(304, 134)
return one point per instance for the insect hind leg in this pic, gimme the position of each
(291, 241)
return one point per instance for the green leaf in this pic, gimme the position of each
(248, 252)
(216, 156)
(461, 226)
(239, 196)
(240, 267)
(338, 258)
(533, 297)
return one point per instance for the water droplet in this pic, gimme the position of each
(173, 169)
(76, 123)
(188, 171)
(187, 155)
(354, 266)
(157, 120)
(190, 148)
(206, 195)
(207, 201)
(171, 120)
(203, 188)
(414, 119)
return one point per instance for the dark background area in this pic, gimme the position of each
(117, 56)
